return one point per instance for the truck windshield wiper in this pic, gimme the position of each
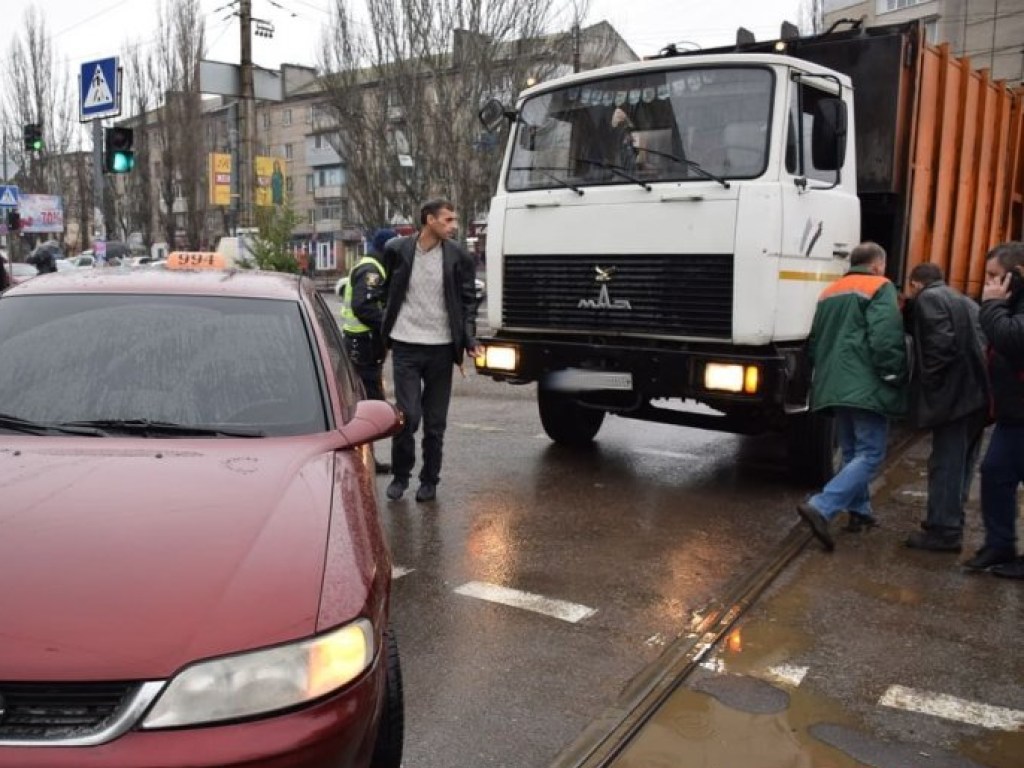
(618, 170)
(17, 424)
(689, 164)
(147, 427)
(563, 182)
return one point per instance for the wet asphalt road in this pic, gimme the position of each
(643, 531)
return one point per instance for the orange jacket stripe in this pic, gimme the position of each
(865, 285)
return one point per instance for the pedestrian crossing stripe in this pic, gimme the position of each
(8, 199)
(99, 94)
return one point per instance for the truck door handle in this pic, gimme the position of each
(552, 204)
(839, 253)
(682, 198)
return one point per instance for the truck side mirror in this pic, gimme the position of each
(828, 135)
(492, 113)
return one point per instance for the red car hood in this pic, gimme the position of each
(127, 559)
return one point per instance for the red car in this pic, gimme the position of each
(195, 573)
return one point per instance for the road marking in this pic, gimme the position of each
(668, 454)
(953, 708)
(398, 571)
(787, 674)
(559, 609)
(480, 427)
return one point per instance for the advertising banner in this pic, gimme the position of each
(270, 180)
(41, 213)
(220, 179)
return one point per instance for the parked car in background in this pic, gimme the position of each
(20, 272)
(190, 510)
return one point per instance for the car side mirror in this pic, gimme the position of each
(828, 135)
(371, 420)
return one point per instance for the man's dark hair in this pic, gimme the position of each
(434, 207)
(926, 274)
(866, 253)
(1010, 255)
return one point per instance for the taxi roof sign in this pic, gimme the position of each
(196, 260)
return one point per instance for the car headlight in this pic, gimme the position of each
(259, 682)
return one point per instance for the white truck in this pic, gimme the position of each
(662, 229)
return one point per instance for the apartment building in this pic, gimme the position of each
(990, 32)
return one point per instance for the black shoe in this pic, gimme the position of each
(382, 468)
(1014, 570)
(987, 557)
(856, 522)
(819, 525)
(935, 540)
(396, 488)
(426, 492)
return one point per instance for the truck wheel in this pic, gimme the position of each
(814, 454)
(387, 750)
(565, 421)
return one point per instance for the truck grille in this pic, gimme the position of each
(664, 294)
(48, 711)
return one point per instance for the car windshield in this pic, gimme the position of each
(675, 125)
(242, 365)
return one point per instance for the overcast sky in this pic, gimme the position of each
(85, 30)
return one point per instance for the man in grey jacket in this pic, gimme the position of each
(948, 395)
(429, 323)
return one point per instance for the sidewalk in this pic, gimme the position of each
(875, 655)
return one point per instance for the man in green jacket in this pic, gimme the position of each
(860, 367)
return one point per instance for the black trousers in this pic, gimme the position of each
(361, 352)
(423, 390)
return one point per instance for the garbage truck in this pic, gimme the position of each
(662, 230)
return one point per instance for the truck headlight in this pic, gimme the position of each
(264, 681)
(724, 377)
(500, 358)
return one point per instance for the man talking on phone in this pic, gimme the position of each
(1002, 471)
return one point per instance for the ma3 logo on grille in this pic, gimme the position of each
(604, 300)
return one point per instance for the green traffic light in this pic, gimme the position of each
(37, 145)
(123, 162)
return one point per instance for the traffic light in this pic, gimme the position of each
(118, 156)
(33, 135)
(13, 221)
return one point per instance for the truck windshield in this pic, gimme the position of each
(676, 125)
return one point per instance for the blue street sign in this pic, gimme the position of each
(99, 89)
(9, 196)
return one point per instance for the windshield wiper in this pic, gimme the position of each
(689, 164)
(618, 170)
(563, 182)
(17, 424)
(146, 427)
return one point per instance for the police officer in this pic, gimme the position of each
(362, 312)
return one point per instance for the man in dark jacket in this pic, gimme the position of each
(429, 322)
(1002, 470)
(860, 365)
(362, 314)
(949, 395)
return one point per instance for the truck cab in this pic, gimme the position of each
(661, 231)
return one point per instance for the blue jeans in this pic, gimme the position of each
(1002, 471)
(863, 437)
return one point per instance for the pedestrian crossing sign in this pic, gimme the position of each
(8, 196)
(99, 86)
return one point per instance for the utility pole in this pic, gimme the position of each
(99, 225)
(247, 117)
(576, 46)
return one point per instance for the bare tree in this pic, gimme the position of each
(38, 91)
(403, 91)
(170, 115)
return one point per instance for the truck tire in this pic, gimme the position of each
(387, 750)
(567, 422)
(814, 455)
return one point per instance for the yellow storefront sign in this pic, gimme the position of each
(220, 179)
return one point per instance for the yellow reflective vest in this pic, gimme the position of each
(349, 322)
